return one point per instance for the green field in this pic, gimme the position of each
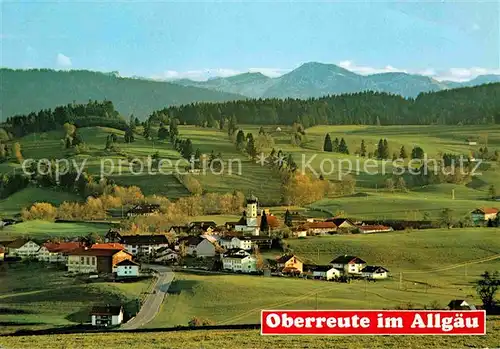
(242, 339)
(26, 197)
(42, 229)
(47, 298)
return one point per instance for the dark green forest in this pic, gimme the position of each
(469, 105)
(25, 91)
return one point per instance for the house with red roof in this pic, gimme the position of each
(484, 214)
(348, 264)
(95, 260)
(57, 252)
(369, 229)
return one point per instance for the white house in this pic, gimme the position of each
(348, 264)
(126, 268)
(198, 246)
(374, 272)
(482, 215)
(105, 316)
(243, 243)
(143, 244)
(166, 254)
(326, 272)
(23, 248)
(239, 261)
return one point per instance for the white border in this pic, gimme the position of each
(370, 334)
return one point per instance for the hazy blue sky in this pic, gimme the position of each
(453, 40)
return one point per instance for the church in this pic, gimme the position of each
(251, 221)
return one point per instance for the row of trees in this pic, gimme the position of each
(335, 146)
(93, 113)
(473, 105)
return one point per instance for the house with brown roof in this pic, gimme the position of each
(483, 215)
(460, 304)
(113, 235)
(95, 260)
(320, 228)
(201, 227)
(23, 248)
(143, 210)
(144, 244)
(369, 229)
(348, 264)
(56, 252)
(289, 264)
(106, 316)
(342, 223)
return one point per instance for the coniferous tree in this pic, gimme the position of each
(288, 218)
(336, 145)
(402, 153)
(264, 226)
(343, 147)
(240, 140)
(417, 153)
(386, 149)
(187, 149)
(362, 150)
(250, 148)
(327, 146)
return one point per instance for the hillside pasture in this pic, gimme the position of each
(38, 229)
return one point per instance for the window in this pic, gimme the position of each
(93, 260)
(88, 260)
(82, 260)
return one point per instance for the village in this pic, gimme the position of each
(247, 246)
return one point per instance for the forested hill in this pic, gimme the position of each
(468, 105)
(25, 91)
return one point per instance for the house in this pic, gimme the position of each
(242, 243)
(201, 227)
(299, 232)
(108, 246)
(165, 254)
(369, 229)
(144, 244)
(460, 304)
(239, 261)
(320, 228)
(289, 264)
(198, 246)
(348, 264)
(113, 235)
(23, 248)
(326, 272)
(126, 268)
(342, 223)
(56, 252)
(178, 229)
(143, 210)
(374, 272)
(483, 215)
(106, 316)
(95, 260)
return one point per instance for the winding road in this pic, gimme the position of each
(151, 306)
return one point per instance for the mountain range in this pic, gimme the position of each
(318, 79)
(24, 91)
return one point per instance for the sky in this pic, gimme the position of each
(448, 40)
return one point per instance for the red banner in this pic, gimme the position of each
(373, 322)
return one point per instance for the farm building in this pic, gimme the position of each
(348, 264)
(374, 272)
(319, 228)
(369, 229)
(326, 272)
(482, 215)
(289, 264)
(342, 223)
(460, 304)
(93, 260)
(105, 316)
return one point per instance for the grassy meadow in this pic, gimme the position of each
(36, 296)
(38, 229)
(252, 339)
